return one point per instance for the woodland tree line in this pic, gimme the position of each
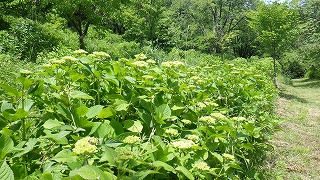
(288, 32)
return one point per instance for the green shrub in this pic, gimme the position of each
(86, 116)
(25, 39)
(313, 72)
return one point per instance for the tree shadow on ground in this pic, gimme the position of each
(292, 97)
(307, 83)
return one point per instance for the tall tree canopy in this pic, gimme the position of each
(276, 27)
(80, 14)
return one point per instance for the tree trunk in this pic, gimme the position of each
(274, 71)
(81, 42)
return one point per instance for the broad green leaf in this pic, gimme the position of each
(95, 127)
(166, 166)
(185, 171)
(27, 104)
(10, 90)
(34, 88)
(121, 105)
(105, 130)
(106, 113)
(20, 114)
(80, 95)
(94, 111)
(90, 172)
(50, 124)
(133, 126)
(65, 156)
(235, 166)
(218, 156)
(6, 105)
(59, 137)
(163, 112)
(6, 145)
(117, 126)
(111, 79)
(130, 79)
(47, 176)
(143, 174)
(82, 110)
(29, 147)
(5, 172)
(109, 155)
(146, 104)
(175, 108)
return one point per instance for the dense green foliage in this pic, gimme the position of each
(146, 120)
(191, 108)
(227, 28)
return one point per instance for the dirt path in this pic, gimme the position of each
(297, 144)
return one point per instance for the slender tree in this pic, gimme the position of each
(276, 25)
(80, 14)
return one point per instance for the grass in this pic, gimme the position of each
(296, 152)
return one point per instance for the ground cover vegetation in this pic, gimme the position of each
(86, 116)
(128, 89)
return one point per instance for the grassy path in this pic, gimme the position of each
(297, 144)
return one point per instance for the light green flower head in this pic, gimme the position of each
(131, 139)
(201, 166)
(172, 132)
(140, 56)
(85, 145)
(80, 51)
(207, 119)
(218, 116)
(193, 137)
(100, 54)
(140, 64)
(151, 61)
(183, 144)
(239, 118)
(170, 64)
(24, 71)
(186, 121)
(69, 58)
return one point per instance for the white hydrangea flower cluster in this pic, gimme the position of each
(140, 64)
(195, 78)
(69, 58)
(150, 61)
(85, 145)
(124, 153)
(193, 137)
(100, 54)
(131, 139)
(201, 105)
(172, 132)
(228, 156)
(140, 56)
(57, 61)
(201, 166)
(239, 118)
(24, 71)
(80, 51)
(170, 64)
(147, 77)
(186, 121)
(47, 65)
(183, 144)
(207, 119)
(218, 115)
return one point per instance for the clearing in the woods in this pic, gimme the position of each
(296, 153)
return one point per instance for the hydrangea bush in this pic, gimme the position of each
(86, 116)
